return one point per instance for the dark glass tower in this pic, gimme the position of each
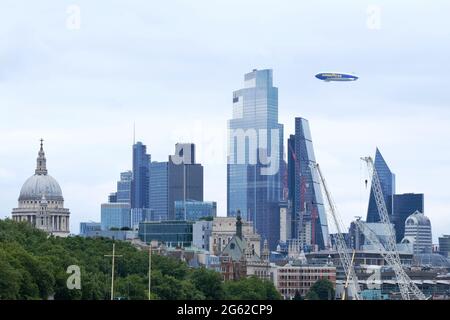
(387, 181)
(399, 206)
(305, 192)
(404, 206)
(254, 155)
(141, 175)
(185, 177)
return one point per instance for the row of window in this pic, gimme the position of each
(36, 201)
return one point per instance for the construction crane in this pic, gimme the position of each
(341, 245)
(408, 289)
(348, 277)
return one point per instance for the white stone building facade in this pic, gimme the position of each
(41, 202)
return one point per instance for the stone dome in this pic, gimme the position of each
(41, 185)
(418, 218)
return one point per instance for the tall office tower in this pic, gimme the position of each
(405, 205)
(387, 181)
(185, 177)
(124, 187)
(418, 233)
(255, 151)
(399, 206)
(444, 245)
(291, 183)
(159, 190)
(305, 195)
(140, 182)
(112, 198)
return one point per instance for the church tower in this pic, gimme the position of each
(41, 202)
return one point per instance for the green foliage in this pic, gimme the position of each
(251, 288)
(33, 266)
(321, 290)
(297, 296)
(209, 283)
(207, 218)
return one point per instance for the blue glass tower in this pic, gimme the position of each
(255, 150)
(124, 187)
(159, 190)
(305, 192)
(115, 215)
(387, 181)
(141, 175)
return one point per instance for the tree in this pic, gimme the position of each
(297, 296)
(207, 218)
(312, 295)
(10, 280)
(133, 287)
(322, 289)
(208, 282)
(251, 288)
(33, 265)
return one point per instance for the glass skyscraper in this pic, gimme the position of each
(255, 151)
(192, 210)
(387, 181)
(185, 177)
(405, 205)
(174, 180)
(399, 206)
(159, 190)
(305, 193)
(115, 215)
(124, 187)
(141, 175)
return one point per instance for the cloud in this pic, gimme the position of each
(172, 66)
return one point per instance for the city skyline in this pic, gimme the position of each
(398, 104)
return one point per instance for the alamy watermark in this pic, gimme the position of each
(73, 20)
(373, 21)
(251, 146)
(232, 146)
(74, 280)
(374, 280)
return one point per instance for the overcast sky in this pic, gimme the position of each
(171, 67)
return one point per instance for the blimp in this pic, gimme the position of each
(336, 76)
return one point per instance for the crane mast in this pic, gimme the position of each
(408, 289)
(346, 261)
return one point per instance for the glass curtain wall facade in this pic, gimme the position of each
(387, 181)
(124, 187)
(141, 176)
(192, 210)
(185, 180)
(171, 233)
(305, 192)
(115, 215)
(159, 190)
(405, 205)
(255, 151)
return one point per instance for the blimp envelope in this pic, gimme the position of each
(336, 76)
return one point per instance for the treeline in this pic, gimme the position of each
(33, 266)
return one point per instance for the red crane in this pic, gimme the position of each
(314, 216)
